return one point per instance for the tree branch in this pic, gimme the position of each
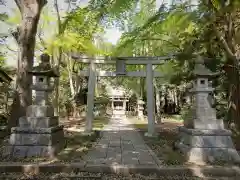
(42, 41)
(42, 3)
(18, 3)
(58, 16)
(16, 34)
(10, 49)
(160, 39)
(224, 43)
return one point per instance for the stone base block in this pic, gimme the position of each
(212, 124)
(36, 151)
(36, 137)
(40, 111)
(199, 155)
(207, 145)
(38, 122)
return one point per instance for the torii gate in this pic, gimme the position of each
(121, 63)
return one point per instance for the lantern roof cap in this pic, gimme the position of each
(200, 69)
(44, 68)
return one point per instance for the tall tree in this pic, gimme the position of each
(26, 38)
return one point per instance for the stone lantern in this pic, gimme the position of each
(39, 133)
(140, 109)
(203, 137)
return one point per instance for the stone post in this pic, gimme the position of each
(150, 101)
(203, 137)
(158, 105)
(112, 103)
(124, 104)
(140, 109)
(90, 97)
(39, 133)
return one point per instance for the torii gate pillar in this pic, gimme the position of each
(90, 97)
(150, 101)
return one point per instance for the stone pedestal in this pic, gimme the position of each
(203, 137)
(39, 133)
(207, 145)
(36, 142)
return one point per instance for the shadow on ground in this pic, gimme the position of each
(79, 123)
(77, 145)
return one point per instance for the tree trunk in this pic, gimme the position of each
(232, 72)
(26, 38)
(70, 76)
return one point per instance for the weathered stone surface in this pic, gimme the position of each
(212, 124)
(45, 88)
(204, 138)
(36, 139)
(114, 143)
(40, 111)
(127, 146)
(212, 155)
(208, 148)
(38, 122)
(146, 158)
(19, 151)
(129, 158)
(205, 132)
(36, 151)
(198, 154)
(41, 98)
(36, 130)
(141, 147)
(208, 141)
(114, 159)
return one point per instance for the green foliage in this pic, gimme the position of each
(3, 16)
(147, 32)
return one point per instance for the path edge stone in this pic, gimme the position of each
(207, 171)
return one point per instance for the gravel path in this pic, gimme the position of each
(100, 176)
(96, 176)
